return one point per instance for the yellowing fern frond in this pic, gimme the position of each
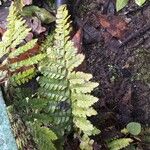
(67, 91)
(17, 64)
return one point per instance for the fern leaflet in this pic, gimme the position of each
(119, 144)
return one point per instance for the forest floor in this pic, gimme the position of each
(117, 50)
(111, 42)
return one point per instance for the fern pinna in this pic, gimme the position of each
(118, 144)
(65, 92)
(17, 59)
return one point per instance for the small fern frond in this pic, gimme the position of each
(119, 144)
(18, 59)
(44, 137)
(17, 30)
(29, 109)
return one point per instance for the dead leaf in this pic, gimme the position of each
(77, 40)
(115, 25)
(29, 37)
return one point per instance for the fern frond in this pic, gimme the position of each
(22, 136)
(22, 77)
(44, 137)
(19, 59)
(67, 92)
(29, 109)
(119, 144)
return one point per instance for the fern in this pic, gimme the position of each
(119, 144)
(63, 98)
(44, 137)
(22, 136)
(65, 92)
(18, 59)
(41, 136)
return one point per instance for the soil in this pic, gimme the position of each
(111, 41)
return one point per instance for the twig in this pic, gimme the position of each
(136, 34)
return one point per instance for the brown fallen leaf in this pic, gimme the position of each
(77, 40)
(114, 25)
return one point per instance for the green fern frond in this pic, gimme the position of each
(44, 137)
(79, 81)
(119, 144)
(18, 64)
(22, 77)
(27, 62)
(67, 92)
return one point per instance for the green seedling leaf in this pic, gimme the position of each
(125, 131)
(140, 2)
(44, 15)
(121, 4)
(134, 128)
